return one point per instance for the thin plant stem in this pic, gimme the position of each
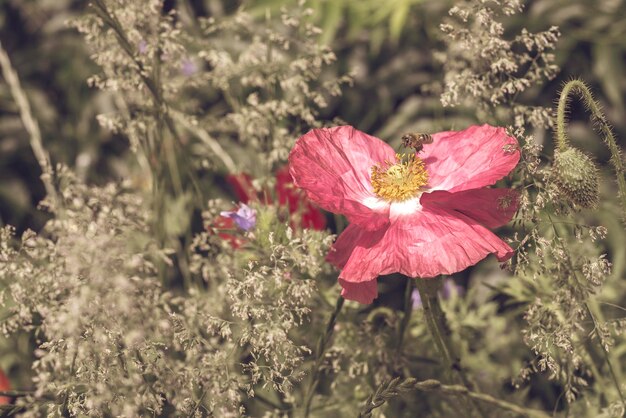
(31, 126)
(167, 147)
(320, 350)
(440, 332)
(197, 406)
(10, 410)
(601, 125)
(607, 358)
(215, 146)
(433, 326)
(434, 385)
(388, 390)
(16, 393)
(408, 309)
(103, 12)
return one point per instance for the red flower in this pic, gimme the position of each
(4, 386)
(421, 215)
(302, 212)
(296, 200)
(242, 186)
(222, 225)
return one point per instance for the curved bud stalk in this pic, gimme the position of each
(574, 172)
(577, 177)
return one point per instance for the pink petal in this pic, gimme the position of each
(355, 241)
(441, 241)
(333, 167)
(436, 240)
(475, 157)
(363, 292)
(490, 207)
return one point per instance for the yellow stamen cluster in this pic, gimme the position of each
(399, 180)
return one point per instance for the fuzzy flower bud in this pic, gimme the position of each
(576, 176)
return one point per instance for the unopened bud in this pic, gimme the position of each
(576, 177)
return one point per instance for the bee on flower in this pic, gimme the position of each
(416, 140)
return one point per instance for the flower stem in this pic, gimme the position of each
(160, 106)
(434, 385)
(607, 358)
(600, 124)
(408, 309)
(440, 332)
(319, 355)
(390, 389)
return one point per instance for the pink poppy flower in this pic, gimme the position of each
(421, 215)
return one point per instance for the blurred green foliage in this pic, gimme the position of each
(383, 21)
(390, 48)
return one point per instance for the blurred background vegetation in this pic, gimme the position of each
(390, 47)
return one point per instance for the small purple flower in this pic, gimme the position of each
(143, 46)
(244, 217)
(189, 67)
(416, 298)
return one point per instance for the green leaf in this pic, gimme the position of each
(398, 19)
(332, 19)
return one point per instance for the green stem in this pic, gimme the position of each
(10, 410)
(193, 412)
(434, 385)
(16, 393)
(600, 124)
(607, 358)
(436, 321)
(319, 355)
(408, 310)
(440, 332)
(166, 146)
(390, 389)
(161, 108)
